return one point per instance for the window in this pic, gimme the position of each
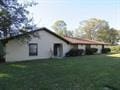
(33, 49)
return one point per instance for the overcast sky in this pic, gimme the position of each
(74, 11)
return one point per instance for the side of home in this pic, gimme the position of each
(48, 45)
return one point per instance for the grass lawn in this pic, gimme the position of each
(96, 72)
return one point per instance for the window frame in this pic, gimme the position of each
(36, 53)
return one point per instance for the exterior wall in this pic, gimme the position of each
(99, 47)
(81, 47)
(18, 51)
(106, 46)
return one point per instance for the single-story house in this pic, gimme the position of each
(48, 45)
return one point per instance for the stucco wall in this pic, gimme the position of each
(99, 47)
(81, 47)
(106, 46)
(17, 52)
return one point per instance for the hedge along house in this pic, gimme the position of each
(49, 45)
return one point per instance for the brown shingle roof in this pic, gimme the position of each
(74, 40)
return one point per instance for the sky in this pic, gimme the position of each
(46, 12)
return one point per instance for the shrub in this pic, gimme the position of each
(115, 49)
(2, 52)
(106, 50)
(91, 51)
(74, 52)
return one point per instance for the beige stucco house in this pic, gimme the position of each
(48, 45)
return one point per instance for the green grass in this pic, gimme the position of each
(96, 72)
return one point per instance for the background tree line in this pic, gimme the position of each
(93, 29)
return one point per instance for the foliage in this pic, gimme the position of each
(68, 33)
(14, 17)
(110, 35)
(74, 52)
(114, 36)
(2, 52)
(5, 21)
(97, 29)
(115, 49)
(90, 51)
(90, 26)
(106, 50)
(60, 28)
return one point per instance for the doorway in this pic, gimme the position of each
(58, 50)
(2, 59)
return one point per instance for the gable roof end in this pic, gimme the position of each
(40, 29)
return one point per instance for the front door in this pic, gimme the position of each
(58, 50)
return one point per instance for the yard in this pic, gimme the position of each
(95, 72)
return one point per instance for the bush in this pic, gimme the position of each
(106, 50)
(74, 52)
(115, 49)
(91, 51)
(2, 52)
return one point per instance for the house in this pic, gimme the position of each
(48, 45)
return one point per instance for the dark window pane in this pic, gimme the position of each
(33, 49)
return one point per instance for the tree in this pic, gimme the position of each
(13, 21)
(60, 28)
(88, 28)
(111, 36)
(13, 17)
(97, 29)
(114, 36)
(69, 33)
